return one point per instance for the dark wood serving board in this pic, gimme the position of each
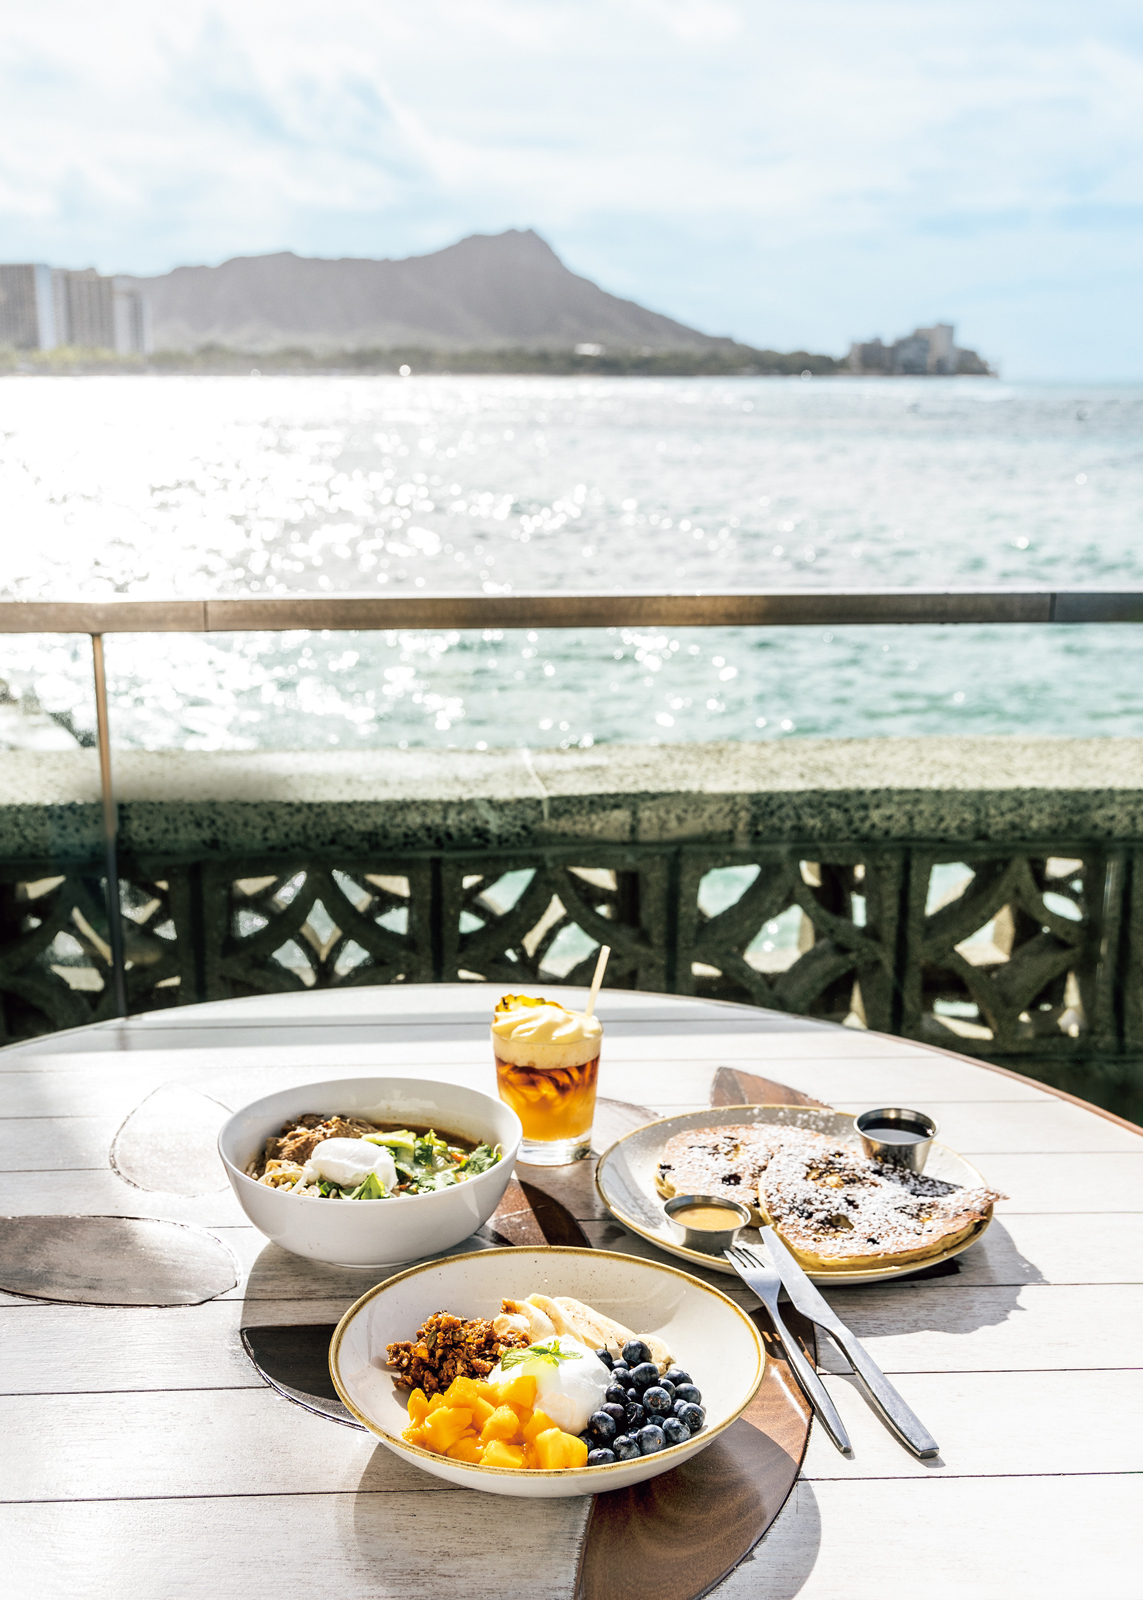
(676, 1536)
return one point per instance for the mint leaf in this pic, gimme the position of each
(550, 1352)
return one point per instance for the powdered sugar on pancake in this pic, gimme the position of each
(725, 1161)
(823, 1195)
(835, 1202)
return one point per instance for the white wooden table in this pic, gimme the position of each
(144, 1457)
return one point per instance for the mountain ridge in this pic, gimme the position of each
(486, 292)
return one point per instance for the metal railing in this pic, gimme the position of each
(384, 613)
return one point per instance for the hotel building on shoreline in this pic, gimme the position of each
(44, 308)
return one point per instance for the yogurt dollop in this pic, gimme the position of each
(348, 1162)
(569, 1389)
(545, 1036)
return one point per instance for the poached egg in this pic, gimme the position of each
(348, 1162)
(569, 1388)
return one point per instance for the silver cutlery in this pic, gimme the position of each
(910, 1430)
(763, 1279)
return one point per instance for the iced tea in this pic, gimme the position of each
(547, 1066)
(557, 1104)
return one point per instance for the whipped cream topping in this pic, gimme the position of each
(547, 1037)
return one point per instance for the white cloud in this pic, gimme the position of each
(794, 174)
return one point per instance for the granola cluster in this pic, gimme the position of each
(447, 1347)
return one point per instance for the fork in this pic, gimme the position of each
(766, 1284)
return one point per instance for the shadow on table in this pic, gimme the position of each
(957, 1302)
(290, 1309)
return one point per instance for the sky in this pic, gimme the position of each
(797, 176)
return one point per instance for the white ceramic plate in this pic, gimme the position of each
(705, 1332)
(625, 1178)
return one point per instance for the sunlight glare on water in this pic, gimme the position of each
(169, 486)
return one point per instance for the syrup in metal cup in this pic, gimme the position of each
(899, 1137)
(707, 1222)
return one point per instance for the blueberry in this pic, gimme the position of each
(619, 1412)
(607, 1358)
(644, 1375)
(587, 1439)
(601, 1458)
(677, 1376)
(602, 1427)
(691, 1416)
(657, 1399)
(626, 1447)
(674, 1431)
(687, 1391)
(651, 1439)
(621, 1374)
(636, 1417)
(616, 1395)
(635, 1351)
(665, 1383)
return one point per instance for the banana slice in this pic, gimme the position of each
(559, 1319)
(537, 1325)
(596, 1330)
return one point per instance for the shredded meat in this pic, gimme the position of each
(299, 1138)
(445, 1348)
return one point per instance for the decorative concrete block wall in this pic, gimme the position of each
(977, 893)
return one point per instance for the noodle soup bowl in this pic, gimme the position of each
(373, 1233)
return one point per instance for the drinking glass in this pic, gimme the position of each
(555, 1103)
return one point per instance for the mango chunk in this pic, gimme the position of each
(539, 1422)
(558, 1450)
(499, 1454)
(518, 1391)
(414, 1435)
(481, 1410)
(467, 1448)
(502, 1424)
(418, 1407)
(444, 1427)
(462, 1392)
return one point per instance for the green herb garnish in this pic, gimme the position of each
(550, 1352)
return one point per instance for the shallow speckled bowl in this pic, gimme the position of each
(705, 1332)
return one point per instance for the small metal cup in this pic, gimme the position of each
(710, 1241)
(906, 1144)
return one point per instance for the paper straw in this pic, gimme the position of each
(600, 969)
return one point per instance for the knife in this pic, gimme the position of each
(908, 1427)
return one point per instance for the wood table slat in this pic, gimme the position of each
(1024, 1361)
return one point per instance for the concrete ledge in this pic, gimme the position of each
(183, 804)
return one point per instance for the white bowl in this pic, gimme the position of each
(704, 1330)
(373, 1233)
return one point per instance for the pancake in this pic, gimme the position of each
(835, 1209)
(727, 1161)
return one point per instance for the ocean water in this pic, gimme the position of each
(161, 486)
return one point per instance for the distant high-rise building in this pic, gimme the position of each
(44, 307)
(131, 312)
(27, 311)
(926, 352)
(85, 313)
